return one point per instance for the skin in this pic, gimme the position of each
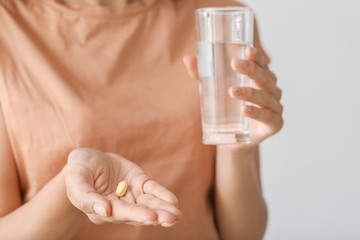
(89, 179)
(237, 173)
(92, 177)
(85, 187)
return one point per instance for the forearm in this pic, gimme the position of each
(240, 208)
(49, 215)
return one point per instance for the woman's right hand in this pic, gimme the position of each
(91, 181)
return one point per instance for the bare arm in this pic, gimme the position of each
(240, 208)
(239, 205)
(49, 215)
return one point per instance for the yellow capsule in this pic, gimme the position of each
(121, 188)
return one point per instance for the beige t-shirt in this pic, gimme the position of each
(110, 79)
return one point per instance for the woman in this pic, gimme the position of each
(95, 92)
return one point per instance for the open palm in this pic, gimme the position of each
(92, 178)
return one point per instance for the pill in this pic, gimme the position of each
(121, 188)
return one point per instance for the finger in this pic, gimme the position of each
(168, 212)
(260, 75)
(257, 56)
(258, 97)
(278, 93)
(143, 224)
(131, 212)
(135, 224)
(190, 63)
(273, 76)
(272, 120)
(152, 187)
(84, 197)
(165, 219)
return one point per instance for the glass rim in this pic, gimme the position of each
(223, 10)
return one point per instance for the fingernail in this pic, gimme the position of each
(167, 224)
(238, 63)
(149, 223)
(100, 210)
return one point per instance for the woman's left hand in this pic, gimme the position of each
(266, 109)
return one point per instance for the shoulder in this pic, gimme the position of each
(218, 3)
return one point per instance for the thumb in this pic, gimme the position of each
(84, 197)
(96, 204)
(190, 63)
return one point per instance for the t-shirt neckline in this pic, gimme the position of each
(102, 11)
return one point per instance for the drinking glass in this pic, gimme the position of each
(222, 35)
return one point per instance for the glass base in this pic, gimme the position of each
(226, 138)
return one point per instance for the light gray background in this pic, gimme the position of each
(311, 169)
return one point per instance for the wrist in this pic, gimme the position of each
(73, 211)
(236, 152)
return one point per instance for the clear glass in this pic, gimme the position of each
(222, 34)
